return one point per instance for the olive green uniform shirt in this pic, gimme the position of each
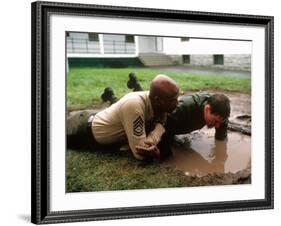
(189, 116)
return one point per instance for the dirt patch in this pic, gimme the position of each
(241, 177)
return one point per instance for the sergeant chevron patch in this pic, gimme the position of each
(138, 126)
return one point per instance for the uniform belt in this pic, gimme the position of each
(90, 120)
(93, 141)
(89, 125)
(90, 130)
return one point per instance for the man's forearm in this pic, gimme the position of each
(155, 135)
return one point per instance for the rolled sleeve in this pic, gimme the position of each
(134, 125)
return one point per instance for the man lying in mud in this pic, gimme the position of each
(137, 119)
(194, 112)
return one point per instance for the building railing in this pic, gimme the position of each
(76, 45)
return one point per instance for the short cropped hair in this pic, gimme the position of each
(220, 105)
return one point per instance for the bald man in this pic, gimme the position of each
(137, 119)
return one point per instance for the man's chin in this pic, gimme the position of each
(210, 126)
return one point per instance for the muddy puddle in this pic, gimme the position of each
(200, 154)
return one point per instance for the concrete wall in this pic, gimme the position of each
(177, 59)
(235, 61)
(231, 61)
(201, 60)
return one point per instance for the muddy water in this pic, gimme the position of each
(204, 155)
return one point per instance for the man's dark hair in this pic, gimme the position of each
(220, 105)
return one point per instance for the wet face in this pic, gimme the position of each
(212, 120)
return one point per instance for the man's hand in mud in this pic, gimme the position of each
(148, 151)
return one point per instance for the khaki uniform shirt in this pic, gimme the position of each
(129, 118)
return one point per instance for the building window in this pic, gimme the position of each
(93, 37)
(218, 59)
(184, 39)
(129, 39)
(186, 59)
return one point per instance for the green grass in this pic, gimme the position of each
(85, 85)
(96, 171)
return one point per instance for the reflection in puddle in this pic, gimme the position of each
(205, 155)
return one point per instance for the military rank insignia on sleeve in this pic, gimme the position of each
(138, 126)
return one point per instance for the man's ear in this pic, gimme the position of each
(207, 108)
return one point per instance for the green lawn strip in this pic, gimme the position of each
(96, 171)
(85, 85)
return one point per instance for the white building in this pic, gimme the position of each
(117, 50)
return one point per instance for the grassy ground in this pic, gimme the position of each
(85, 85)
(96, 171)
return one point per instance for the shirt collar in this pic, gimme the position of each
(149, 106)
